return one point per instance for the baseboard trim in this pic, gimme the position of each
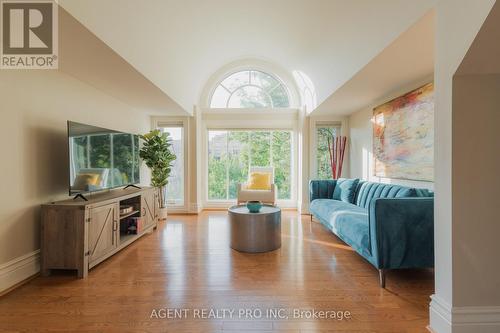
(304, 208)
(18, 271)
(195, 208)
(468, 319)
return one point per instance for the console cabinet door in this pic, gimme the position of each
(148, 206)
(103, 231)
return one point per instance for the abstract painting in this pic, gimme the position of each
(403, 136)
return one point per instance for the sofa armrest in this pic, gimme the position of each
(274, 190)
(241, 187)
(402, 232)
(321, 189)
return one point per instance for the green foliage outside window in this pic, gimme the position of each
(322, 155)
(231, 153)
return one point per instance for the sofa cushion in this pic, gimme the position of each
(423, 192)
(346, 220)
(345, 190)
(369, 191)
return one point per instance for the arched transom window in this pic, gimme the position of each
(250, 89)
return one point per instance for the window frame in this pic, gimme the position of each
(292, 197)
(280, 83)
(241, 119)
(165, 122)
(313, 137)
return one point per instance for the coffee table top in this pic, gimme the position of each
(242, 209)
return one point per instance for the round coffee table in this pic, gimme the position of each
(255, 232)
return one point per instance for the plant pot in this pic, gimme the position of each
(162, 214)
(162, 197)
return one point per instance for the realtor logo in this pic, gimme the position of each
(29, 34)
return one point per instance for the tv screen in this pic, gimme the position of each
(101, 158)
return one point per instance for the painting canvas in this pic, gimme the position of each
(403, 136)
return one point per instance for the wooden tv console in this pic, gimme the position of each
(78, 234)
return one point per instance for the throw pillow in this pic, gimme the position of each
(345, 190)
(406, 193)
(259, 181)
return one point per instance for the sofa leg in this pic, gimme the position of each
(381, 276)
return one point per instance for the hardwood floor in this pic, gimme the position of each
(187, 263)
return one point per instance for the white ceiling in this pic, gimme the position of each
(86, 57)
(408, 59)
(179, 44)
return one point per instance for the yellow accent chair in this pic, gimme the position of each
(259, 187)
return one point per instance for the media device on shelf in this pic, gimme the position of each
(101, 159)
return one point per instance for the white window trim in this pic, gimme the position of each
(237, 122)
(279, 81)
(251, 64)
(159, 122)
(319, 121)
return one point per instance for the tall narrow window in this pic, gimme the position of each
(175, 187)
(232, 153)
(323, 134)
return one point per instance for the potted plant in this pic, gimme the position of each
(157, 155)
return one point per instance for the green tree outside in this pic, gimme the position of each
(322, 155)
(231, 153)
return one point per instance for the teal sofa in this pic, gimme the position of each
(391, 226)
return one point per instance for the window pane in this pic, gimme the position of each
(217, 165)
(249, 97)
(279, 97)
(238, 160)
(263, 80)
(250, 89)
(322, 152)
(236, 80)
(231, 153)
(282, 161)
(175, 187)
(260, 149)
(219, 98)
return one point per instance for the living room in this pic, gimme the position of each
(305, 166)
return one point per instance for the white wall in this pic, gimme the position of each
(35, 105)
(361, 140)
(476, 162)
(458, 22)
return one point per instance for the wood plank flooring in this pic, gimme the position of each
(187, 263)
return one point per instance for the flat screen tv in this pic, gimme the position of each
(101, 159)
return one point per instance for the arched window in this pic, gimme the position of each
(250, 89)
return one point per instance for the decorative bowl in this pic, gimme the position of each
(254, 206)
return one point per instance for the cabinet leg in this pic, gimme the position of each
(45, 272)
(83, 272)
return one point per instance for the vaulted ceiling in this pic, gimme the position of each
(179, 44)
(407, 60)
